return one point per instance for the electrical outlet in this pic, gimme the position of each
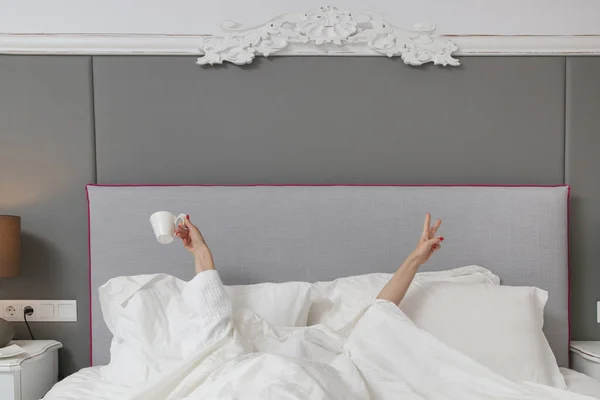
(10, 311)
(29, 311)
(43, 310)
(598, 312)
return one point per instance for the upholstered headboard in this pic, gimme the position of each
(310, 233)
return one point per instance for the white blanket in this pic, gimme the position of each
(382, 355)
(206, 353)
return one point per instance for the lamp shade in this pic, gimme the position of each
(10, 245)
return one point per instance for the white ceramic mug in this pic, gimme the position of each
(163, 224)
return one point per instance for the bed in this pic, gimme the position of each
(319, 233)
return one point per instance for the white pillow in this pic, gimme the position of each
(293, 299)
(338, 302)
(498, 326)
(469, 273)
(152, 326)
(149, 312)
(155, 300)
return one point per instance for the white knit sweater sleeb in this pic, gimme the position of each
(206, 296)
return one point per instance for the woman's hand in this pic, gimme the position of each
(194, 242)
(396, 288)
(429, 243)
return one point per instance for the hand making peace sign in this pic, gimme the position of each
(429, 243)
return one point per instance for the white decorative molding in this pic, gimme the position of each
(522, 45)
(143, 44)
(327, 31)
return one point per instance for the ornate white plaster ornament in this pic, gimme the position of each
(328, 31)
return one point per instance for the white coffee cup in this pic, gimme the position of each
(163, 224)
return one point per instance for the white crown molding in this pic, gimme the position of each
(144, 44)
(542, 45)
(326, 31)
(97, 44)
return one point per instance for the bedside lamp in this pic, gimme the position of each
(10, 263)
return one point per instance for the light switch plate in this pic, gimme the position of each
(598, 312)
(43, 310)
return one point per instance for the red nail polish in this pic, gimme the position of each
(188, 217)
(441, 239)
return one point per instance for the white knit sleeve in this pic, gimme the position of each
(206, 296)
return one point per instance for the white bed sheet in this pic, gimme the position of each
(88, 384)
(580, 383)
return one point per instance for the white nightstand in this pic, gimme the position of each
(585, 358)
(30, 375)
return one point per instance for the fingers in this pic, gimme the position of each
(429, 231)
(180, 233)
(435, 228)
(435, 241)
(426, 227)
(184, 236)
(188, 224)
(183, 233)
(194, 231)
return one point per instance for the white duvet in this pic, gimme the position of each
(380, 355)
(385, 356)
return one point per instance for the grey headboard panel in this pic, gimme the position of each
(280, 233)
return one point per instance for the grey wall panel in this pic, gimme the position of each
(46, 158)
(329, 120)
(583, 164)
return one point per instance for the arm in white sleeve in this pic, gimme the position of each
(206, 296)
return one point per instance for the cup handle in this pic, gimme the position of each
(182, 217)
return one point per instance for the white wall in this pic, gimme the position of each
(521, 17)
(479, 27)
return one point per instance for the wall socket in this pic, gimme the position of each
(43, 310)
(10, 311)
(598, 312)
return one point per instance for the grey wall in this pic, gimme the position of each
(583, 164)
(500, 120)
(329, 120)
(46, 158)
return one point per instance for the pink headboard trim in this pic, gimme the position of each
(87, 196)
(322, 185)
(569, 263)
